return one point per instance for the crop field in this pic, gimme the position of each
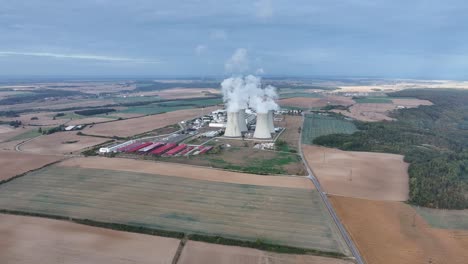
(201, 253)
(164, 107)
(130, 127)
(319, 125)
(31, 240)
(387, 232)
(299, 94)
(373, 100)
(26, 135)
(13, 163)
(285, 216)
(447, 219)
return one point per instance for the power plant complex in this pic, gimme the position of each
(240, 93)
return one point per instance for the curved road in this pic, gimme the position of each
(327, 203)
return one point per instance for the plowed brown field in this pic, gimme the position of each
(377, 176)
(31, 240)
(392, 232)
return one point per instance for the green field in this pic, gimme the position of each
(26, 135)
(373, 100)
(135, 99)
(441, 218)
(285, 216)
(163, 107)
(316, 125)
(300, 94)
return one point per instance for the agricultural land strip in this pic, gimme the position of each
(237, 211)
(443, 218)
(316, 125)
(14, 163)
(187, 171)
(30, 240)
(134, 126)
(388, 232)
(201, 253)
(369, 175)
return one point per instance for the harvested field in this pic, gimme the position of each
(238, 211)
(392, 232)
(316, 125)
(57, 104)
(442, 218)
(182, 93)
(202, 253)
(15, 163)
(89, 120)
(61, 143)
(130, 127)
(371, 112)
(186, 171)
(44, 119)
(309, 102)
(411, 103)
(377, 176)
(9, 132)
(30, 240)
(6, 129)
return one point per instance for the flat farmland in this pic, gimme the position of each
(378, 109)
(316, 125)
(388, 232)
(201, 253)
(370, 175)
(60, 143)
(442, 218)
(14, 163)
(287, 216)
(311, 102)
(30, 240)
(186, 171)
(130, 127)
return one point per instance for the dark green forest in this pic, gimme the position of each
(433, 139)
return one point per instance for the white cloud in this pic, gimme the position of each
(218, 34)
(238, 63)
(264, 9)
(200, 49)
(259, 71)
(77, 56)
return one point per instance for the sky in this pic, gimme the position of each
(349, 38)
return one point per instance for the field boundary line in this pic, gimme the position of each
(212, 239)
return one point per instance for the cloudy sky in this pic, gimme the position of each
(398, 38)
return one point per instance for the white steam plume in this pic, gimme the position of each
(240, 92)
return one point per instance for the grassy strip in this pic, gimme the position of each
(259, 244)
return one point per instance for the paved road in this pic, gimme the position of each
(327, 203)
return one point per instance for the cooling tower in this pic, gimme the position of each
(242, 123)
(262, 130)
(271, 125)
(232, 126)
